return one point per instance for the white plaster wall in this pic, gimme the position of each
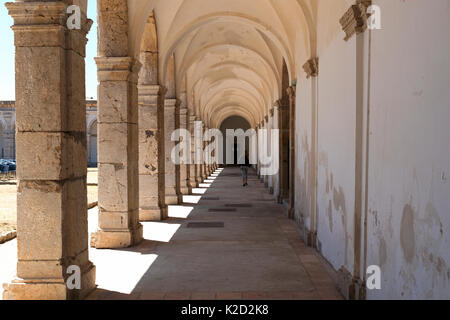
(303, 149)
(276, 148)
(336, 151)
(409, 186)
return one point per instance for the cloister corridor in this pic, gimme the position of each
(257, 254)
(339, 109)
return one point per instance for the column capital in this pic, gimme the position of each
(182, 111)
(354, 21)
(37, 13)
(272, 111)
(149, 94)
(291, 91)
(311, 67)
(117, 68)
(172, 103)
(44, 24)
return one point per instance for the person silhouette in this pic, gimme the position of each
(245, 165)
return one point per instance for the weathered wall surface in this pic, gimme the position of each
(303, 150)
(408, 158)
(409, 190)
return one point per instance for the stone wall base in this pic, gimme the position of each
(50, 289)
(172, 199)
(157, 214)
(117, 239)
(350, 287)
(184, 190)
(311, 238)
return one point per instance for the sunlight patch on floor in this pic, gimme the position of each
(181, 212)
(191, 199)
(159, 231)
(120, 271)
(205, 185)
(199, 191)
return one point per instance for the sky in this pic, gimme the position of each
(7, 83)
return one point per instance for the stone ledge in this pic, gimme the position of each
(8, 236)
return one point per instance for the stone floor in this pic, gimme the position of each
(256, 254)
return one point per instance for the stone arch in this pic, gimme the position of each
(231, 18)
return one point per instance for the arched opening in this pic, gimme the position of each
(92, 145)
(2, 151)
(234, 123)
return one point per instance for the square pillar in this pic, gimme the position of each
(198, 149)
(292, 101)
(276, 149)
(51, 154)
(261, 142)
(184, 168)
(272, 153)
(152, 202)
(118, 195)
(173, 197)
(267, 127)
(192, 172)
(284, 133)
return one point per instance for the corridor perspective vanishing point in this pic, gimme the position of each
(338, 110)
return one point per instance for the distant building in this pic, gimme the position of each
(8, 128)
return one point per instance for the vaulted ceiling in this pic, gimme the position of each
(228, 55)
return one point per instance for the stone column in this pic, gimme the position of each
(258, 166)
(118, 195)
(152, 203)
(311, 68)
(267, 127)
(199, 150)
(262, 142)
(184, 168)
(276, 148)
(192, 171)
(51, 153)
(283, 125)
(170, 113)
(292, 93)
(272, 176)
(355, 23)
(207, 159)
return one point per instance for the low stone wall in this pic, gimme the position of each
(7, 236)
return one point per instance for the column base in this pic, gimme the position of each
(291, 213)
(311, 238)
(184, 191)
(350, 287)
(117, 239)
(172, 200)
(156, 214)
(50, 289)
